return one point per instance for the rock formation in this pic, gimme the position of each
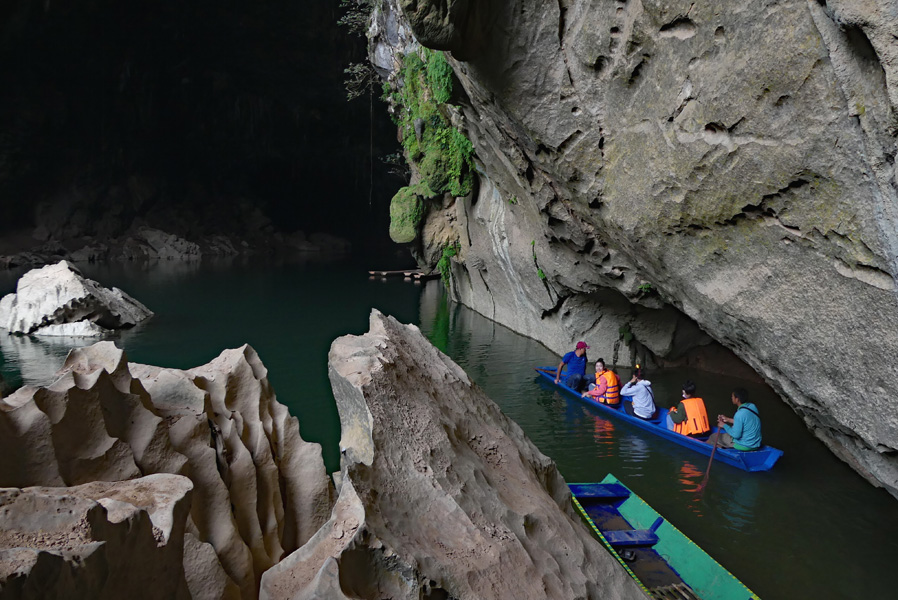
(655, 176)
(144, 245)
(127, 480)
(57, 300)
(259, 490)
(122, 539)
(440, 494)
(153, 244)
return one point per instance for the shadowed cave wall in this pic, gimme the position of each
(186, 116)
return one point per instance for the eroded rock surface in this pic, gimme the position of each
(259, 490)
(731, 164)
(441, 495)
(57, 300)
(106, 540)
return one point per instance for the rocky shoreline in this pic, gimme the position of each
(143, 243)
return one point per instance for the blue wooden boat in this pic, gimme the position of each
(761, 459)
(665, 563)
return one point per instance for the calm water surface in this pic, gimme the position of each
(811, 528)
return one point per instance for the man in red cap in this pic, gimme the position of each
(576, 368)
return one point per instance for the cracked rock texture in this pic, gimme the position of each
(122, 539)
(440, 494)
(57, 300)
(259, 490)
(688, 173)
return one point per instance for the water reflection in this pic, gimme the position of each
(634, 451)
(603, 434)
(741, 508)
(690, 478)
(35, 361)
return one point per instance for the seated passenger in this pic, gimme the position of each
(689, 417)
(743, 431)
(640, 390)
(607, 386)
(576, 368)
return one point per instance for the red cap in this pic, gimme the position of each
(582, 345)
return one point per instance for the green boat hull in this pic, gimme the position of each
(661, 556)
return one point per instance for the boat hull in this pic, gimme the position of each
(665, 562)
(762, 459)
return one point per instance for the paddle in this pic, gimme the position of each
(547, 371)
(701, 487)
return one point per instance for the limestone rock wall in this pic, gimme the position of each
(258, 490)
(731, 164)
(440, 494)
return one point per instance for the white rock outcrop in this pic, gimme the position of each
(259, 490)
(441, 495)
(57, 300)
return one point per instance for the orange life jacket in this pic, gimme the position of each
(696, 418)
(612, 391)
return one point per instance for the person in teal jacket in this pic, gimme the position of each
(743, 431)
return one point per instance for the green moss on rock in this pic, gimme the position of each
(444, 265)
(443, 155)
(406, 212)
(439, 76)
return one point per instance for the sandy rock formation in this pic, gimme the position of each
(259, 490)
(101, 540)
(441, 495)
(57, 300)
(730, 164)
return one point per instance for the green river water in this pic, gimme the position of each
(810, 528)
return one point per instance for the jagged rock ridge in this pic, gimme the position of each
(440, 494)
(258, 490)
(648, 166)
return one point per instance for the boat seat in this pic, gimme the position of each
(605, 491)
(634, 537)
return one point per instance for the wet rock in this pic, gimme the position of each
(441, 495)
(57, 300)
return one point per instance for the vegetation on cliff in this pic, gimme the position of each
(441, 154)
(444, 265)
(406, 212)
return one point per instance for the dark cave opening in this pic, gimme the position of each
(187, 116)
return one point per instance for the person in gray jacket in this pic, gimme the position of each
(639, 390)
